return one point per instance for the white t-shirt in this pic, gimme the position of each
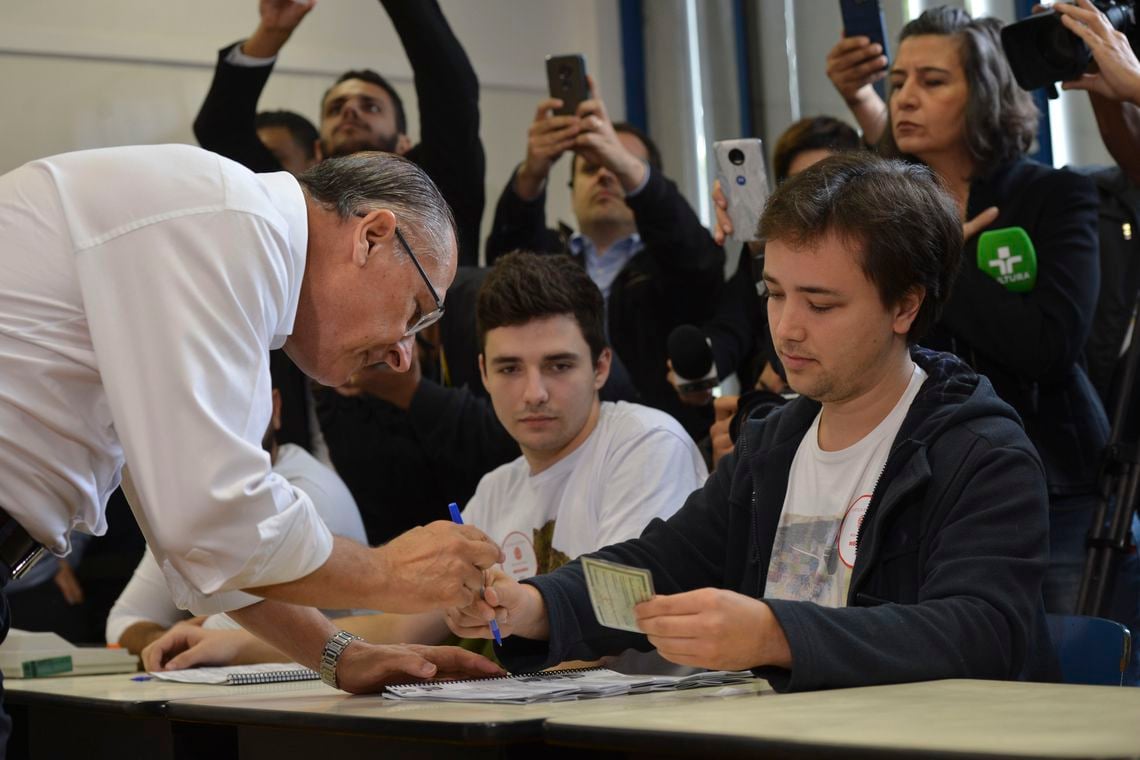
(146, 597)
(142, 289)
(828, 494)
(637, 464)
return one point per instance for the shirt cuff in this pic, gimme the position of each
(237, 58)
(644, 180)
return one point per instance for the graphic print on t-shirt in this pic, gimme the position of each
(812, 556)
(534, 555)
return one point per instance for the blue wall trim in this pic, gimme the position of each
(633, 63)
(1044, 152)
(743, 75)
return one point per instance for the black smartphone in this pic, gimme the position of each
(566, 75)
(864, 18)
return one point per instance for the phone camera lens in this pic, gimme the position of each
(736, 156)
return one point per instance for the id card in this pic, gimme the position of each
(614, 590)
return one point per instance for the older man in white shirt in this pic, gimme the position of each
(142, 289)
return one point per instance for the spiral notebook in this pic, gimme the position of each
(241, 675)
(557, 685)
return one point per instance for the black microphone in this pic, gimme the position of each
(692, 357)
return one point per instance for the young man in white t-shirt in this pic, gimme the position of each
(888, 525)
(591, 473)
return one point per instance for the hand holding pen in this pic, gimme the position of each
(458, 520)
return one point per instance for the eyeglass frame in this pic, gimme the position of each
(432, 316)
(429, 319)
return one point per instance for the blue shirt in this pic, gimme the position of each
(604, 267)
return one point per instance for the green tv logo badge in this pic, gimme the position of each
(1009, 257)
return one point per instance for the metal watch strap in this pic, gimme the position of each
(330, 655)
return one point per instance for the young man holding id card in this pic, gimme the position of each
(889, 525)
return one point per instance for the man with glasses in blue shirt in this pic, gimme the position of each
(143, 289)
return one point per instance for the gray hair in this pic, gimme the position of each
(369, 180)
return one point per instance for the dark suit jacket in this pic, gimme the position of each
(1030, 344)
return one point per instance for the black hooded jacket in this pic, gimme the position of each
(951, 554)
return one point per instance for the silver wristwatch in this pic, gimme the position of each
(330, 655)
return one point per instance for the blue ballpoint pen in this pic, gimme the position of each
(458, 520)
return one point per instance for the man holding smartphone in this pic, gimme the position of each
(638, 239)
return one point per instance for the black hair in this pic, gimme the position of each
(300, 129)
(524, 286)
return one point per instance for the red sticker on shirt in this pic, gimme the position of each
(521, 560)
(849, 530)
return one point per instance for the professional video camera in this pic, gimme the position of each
(1042, 51)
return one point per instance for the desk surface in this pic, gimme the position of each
(118, 693)
(938, 718)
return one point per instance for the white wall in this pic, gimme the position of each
(77, 74)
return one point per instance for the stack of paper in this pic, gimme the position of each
(557, 685)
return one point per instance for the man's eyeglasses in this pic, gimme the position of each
(432, 316)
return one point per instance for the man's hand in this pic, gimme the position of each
(437, 565)
(367, 668)
(547, 139)
(1118, 70)
(68, 584)
(192, 646)
(714, 628)
(518, 608)
(598, 143)
(984, 219)
(278, 20)
(725, 409)
(853, 65)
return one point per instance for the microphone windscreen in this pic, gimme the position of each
(690, 353)
(1008, 256)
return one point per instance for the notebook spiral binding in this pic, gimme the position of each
(511, 677)
(276, 676)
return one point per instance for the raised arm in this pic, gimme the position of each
(225, 123)
(853, 66)
(447, 91)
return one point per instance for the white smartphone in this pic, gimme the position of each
(744, 182)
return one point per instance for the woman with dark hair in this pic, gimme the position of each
(1021, 311)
